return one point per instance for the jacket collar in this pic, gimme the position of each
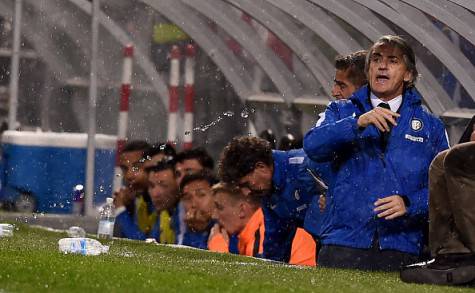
(361, 98)
(280, 167)
(247, 234)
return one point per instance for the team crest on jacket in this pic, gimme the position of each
(416, 124)
(297, 194)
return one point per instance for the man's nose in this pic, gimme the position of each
(214, 214)
(128, 176)
(245, 191)
(383, 64)
(190, 213)
(193, 203)
(335, 91)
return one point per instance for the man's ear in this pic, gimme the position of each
(408, 76)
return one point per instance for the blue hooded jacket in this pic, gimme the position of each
(285, 209)
(365, 172)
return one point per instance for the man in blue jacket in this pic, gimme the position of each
(380, 142)
(163, 191)
(282, 179)
(197, 199)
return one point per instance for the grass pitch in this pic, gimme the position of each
(30, 262)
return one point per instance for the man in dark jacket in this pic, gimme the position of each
(380, 142)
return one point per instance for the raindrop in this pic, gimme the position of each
(245, 113)
(162, 147)
(187, 132)
(101, 188)
(228, 114)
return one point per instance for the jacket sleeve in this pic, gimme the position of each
(419, 200)
(324, 141)
(128, 228)
(419, 203)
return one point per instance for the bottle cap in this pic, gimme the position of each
(109, 200)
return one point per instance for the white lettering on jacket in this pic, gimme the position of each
(296, 160)
(414, 138)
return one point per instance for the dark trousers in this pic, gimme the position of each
(371, 259)
(452, 201)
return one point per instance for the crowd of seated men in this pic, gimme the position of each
(353, 193)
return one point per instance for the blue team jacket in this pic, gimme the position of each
(364, 171)
(127, 226)
(286, 207)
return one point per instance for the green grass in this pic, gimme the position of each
(30, 262)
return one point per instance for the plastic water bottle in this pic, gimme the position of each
(84, 246)
(78, 200)
(105, 229)
(6, 230)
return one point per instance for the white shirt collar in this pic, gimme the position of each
(394, 104)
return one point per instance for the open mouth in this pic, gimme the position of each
(381, 78)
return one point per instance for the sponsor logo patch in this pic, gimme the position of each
(297, 194)
(414, 138)
(416, 124)
(296, 160)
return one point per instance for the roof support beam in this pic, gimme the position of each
(278, 22)
(277, 71)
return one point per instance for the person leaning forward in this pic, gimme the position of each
(381, 156)
(281, 179)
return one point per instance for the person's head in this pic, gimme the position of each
(158, 152)
(268, 135)
(390, 67)
(162, 186)
(232, 209)
(247, 162)
(289, 142)
(192, 161)
(197, 199)
(350, 74)
(132, 165)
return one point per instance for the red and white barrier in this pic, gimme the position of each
(123, 112)
(189, 95)
(173, 94)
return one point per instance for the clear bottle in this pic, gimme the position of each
(105, 229)
(6, 230)
(84, 246)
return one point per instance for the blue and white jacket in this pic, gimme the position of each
(365, 172)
